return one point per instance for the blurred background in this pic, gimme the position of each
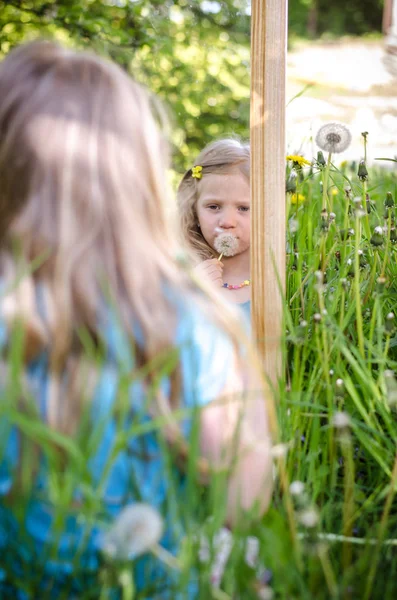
(196, 55)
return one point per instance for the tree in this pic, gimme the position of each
(194, 55)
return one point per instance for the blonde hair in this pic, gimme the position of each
(82, 171)
(222, 157)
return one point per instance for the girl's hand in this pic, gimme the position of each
(211, 270)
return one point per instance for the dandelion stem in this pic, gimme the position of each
(325, 178)
(166, 557)
(386, 255)
(359, 316)
(127, 584)
(382, 528)
(290, 510)
(328, 571)
(348, 501)
(366, 217)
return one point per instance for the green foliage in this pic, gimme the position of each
(316, 17)
(197, 61)
(333, 535)
(194, 55)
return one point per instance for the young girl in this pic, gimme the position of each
(214, 207)
(101, 331)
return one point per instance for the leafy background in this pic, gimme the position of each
(194, 55)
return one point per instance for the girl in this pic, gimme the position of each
(101, 331)
(214, 207)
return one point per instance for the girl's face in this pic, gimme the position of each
(224, 205)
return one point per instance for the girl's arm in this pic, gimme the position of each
(235, 435)
(234, 425)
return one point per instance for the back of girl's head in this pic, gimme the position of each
(82, 180)
(82, 171)
(222, 157)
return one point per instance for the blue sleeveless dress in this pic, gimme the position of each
(34, 547)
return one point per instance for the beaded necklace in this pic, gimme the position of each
(239, 286)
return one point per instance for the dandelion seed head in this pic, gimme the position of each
(136, 529)
(319, 276)
(252, 551)
(333, 138)
(378, 229)
(339, 382)
(266, 593)
(341, 420)
(226, 244)
(308, 518)
(297, 488)
(279, 450)
(390, 315)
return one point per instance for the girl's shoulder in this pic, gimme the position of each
(207, 353)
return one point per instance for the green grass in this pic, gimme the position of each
(337, 536)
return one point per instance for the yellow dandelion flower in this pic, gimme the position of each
(334, 191)
(297, 198)
(299, 160)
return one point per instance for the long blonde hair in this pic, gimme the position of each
(82, 171)
(223, 157)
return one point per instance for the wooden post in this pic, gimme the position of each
(387, 16)
(268, 73)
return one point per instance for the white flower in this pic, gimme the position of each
(266, 593)
(341, 420)
(136, 529)
(226, 244)
(308, 518)
(223, 544)
(333, 137)
(379, 230)
(297, 488)
(279, 450)
(252, 551)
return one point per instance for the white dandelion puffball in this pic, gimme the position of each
(333, 137)
(136, 529)
(308, 518)
(341, 420)
(226, 244)
(297, 488)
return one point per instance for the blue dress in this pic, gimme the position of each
(34, 545)
(246, 308)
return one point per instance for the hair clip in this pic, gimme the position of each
(197, 172)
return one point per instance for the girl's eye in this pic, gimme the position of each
(244, 208)
(213, 206)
